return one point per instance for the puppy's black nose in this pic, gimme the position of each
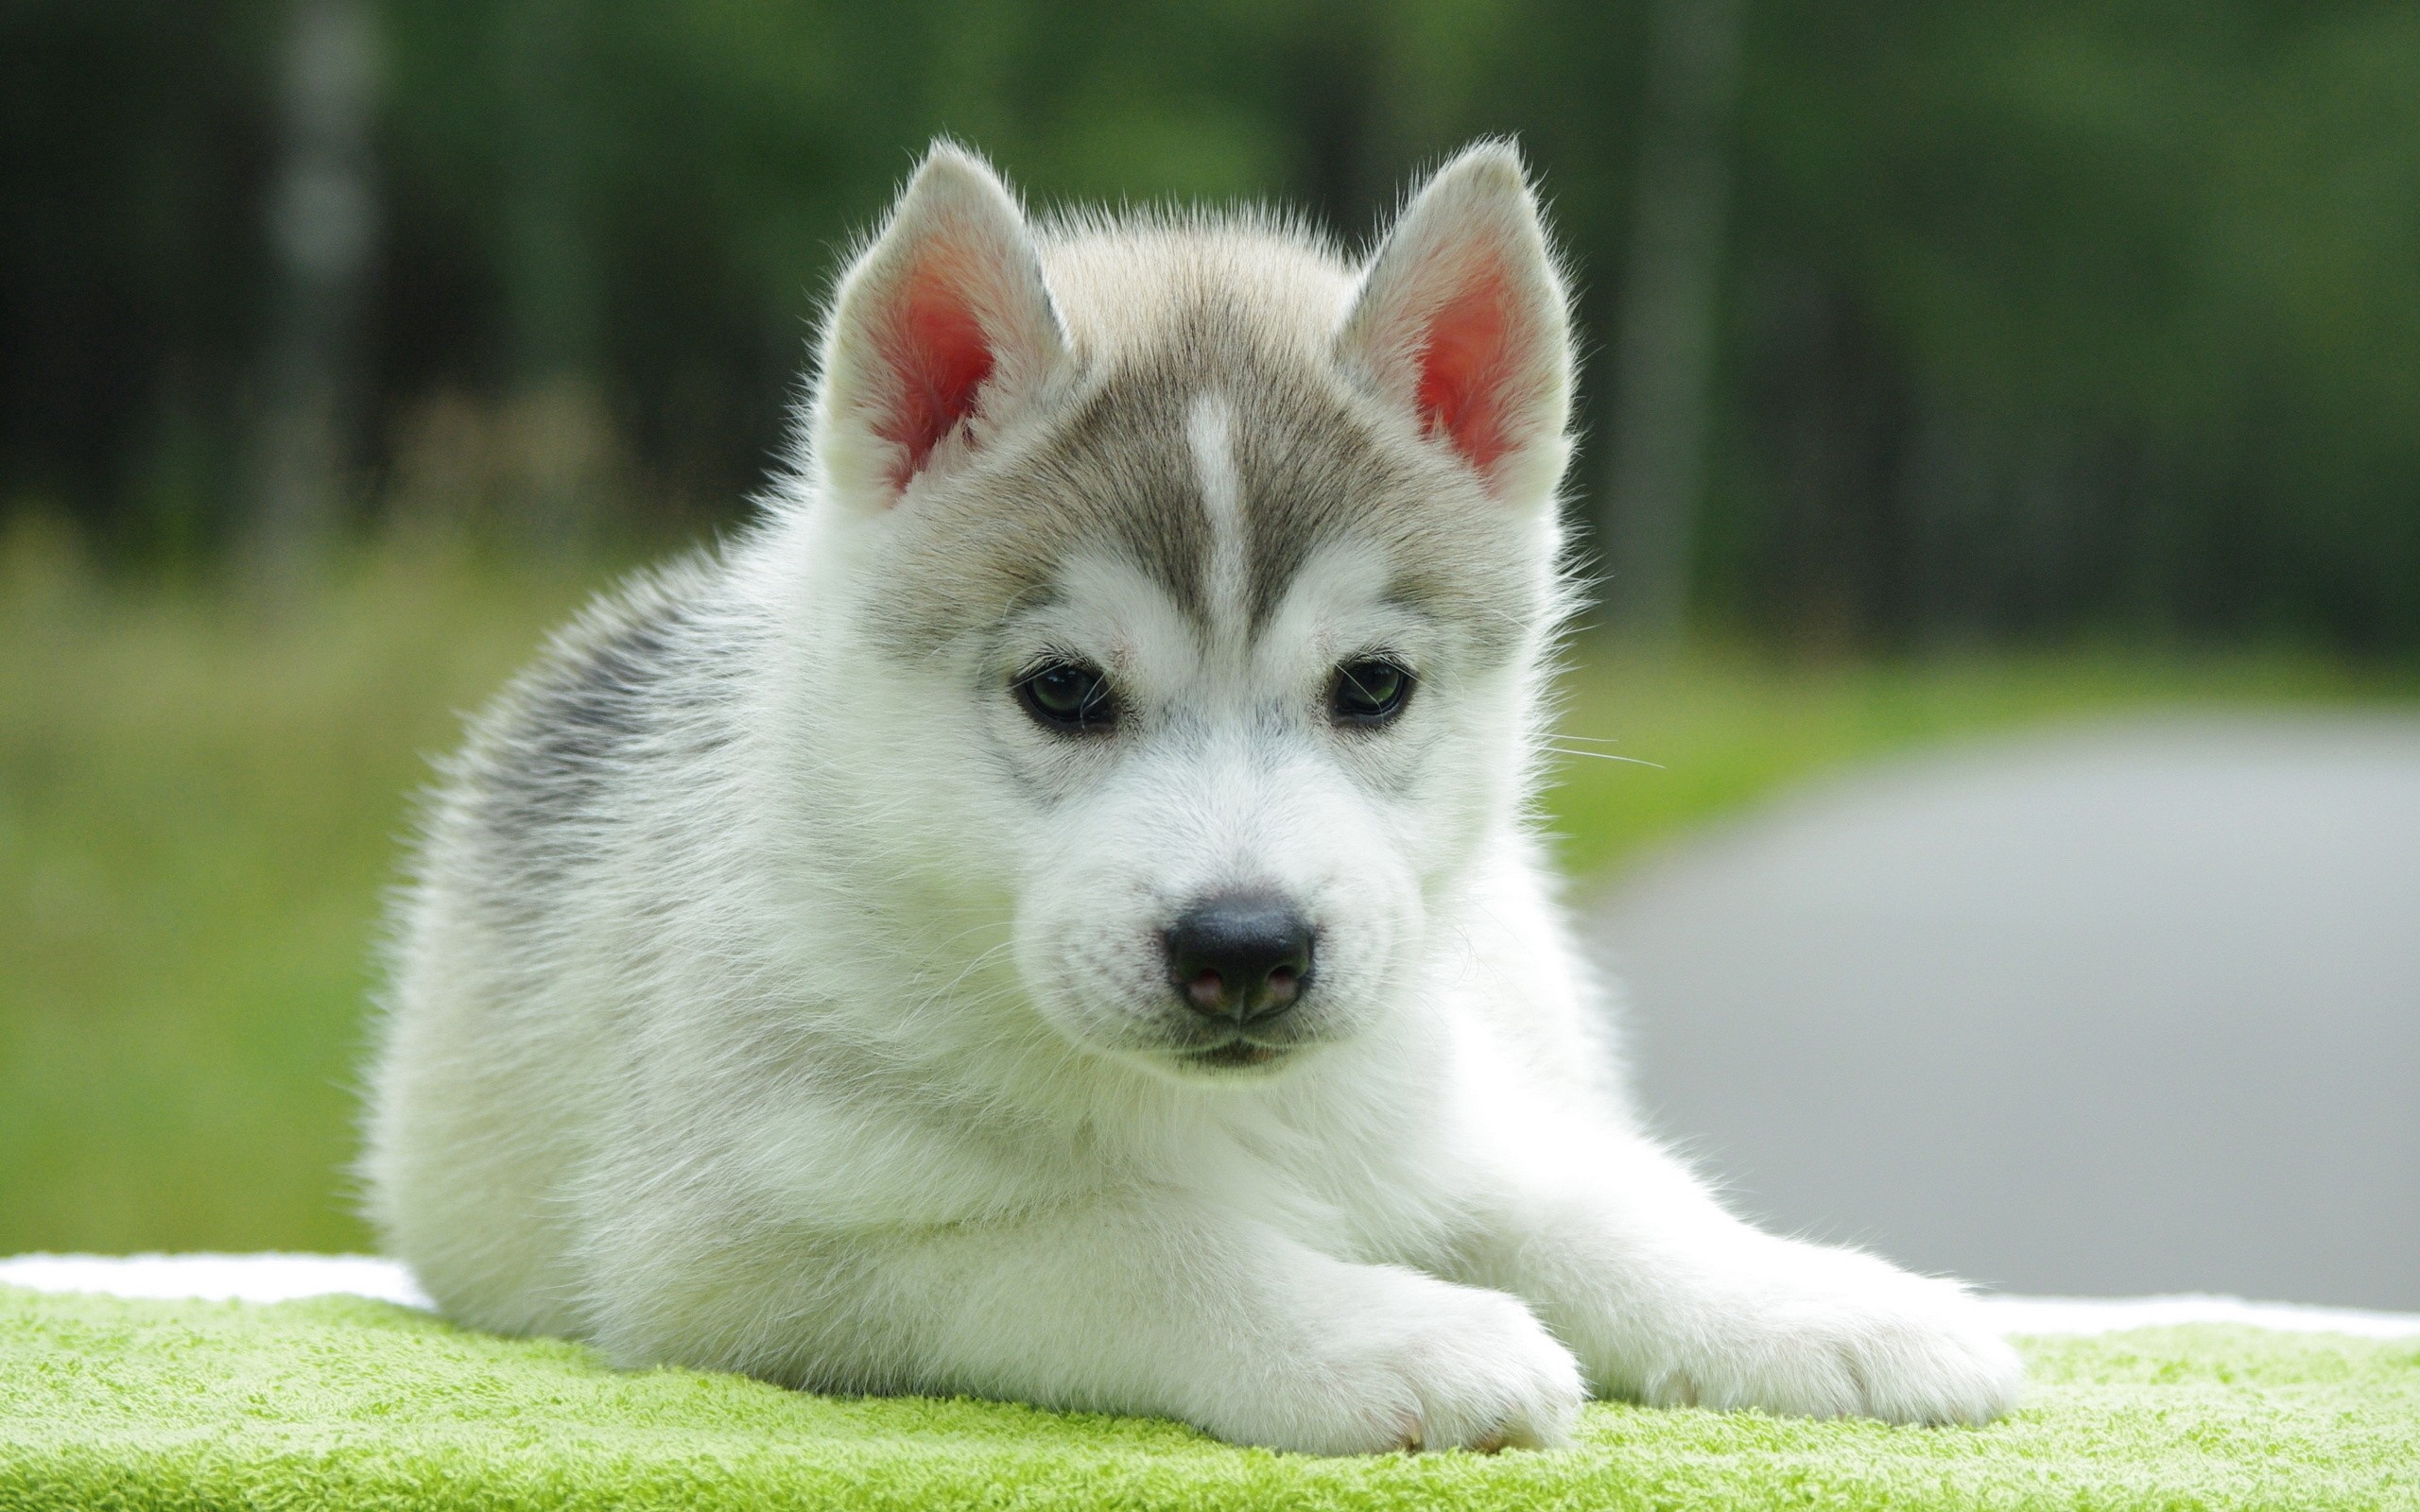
(1244, 958)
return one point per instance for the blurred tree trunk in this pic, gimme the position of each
(1665, 340)
(557, 431)
(322, 225)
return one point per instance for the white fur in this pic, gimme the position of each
(1209, 431)
(816, 1026)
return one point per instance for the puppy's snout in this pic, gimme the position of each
(1244, 958)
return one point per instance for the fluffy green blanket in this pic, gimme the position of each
(339, 1401)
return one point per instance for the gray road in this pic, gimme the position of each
(2126, 1009)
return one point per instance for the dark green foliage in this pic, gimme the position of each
(2041, 317)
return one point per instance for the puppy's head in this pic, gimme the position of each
(1194, 583)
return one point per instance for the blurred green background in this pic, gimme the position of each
(1948, 367)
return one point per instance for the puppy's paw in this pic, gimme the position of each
(1830, 1334)
(1418, 1364)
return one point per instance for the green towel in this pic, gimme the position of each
(339, 1401)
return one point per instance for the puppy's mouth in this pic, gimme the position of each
(1236, 1054)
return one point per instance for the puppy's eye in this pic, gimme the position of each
(1068, 697)
(1370, 691)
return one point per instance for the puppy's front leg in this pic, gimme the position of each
(1222, 1321)
(1669, 1299)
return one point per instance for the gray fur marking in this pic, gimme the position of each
(1317, 462)
(595, 704)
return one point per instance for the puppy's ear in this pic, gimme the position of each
(1460, 317)
(941, 334)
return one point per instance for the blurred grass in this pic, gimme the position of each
(1726, 727)
(201, 800)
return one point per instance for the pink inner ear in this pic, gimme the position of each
(939, 358)
(1464, 364)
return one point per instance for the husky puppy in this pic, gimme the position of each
(1051, 913)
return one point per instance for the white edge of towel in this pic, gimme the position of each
(275, 1278)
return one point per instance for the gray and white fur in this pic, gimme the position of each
(782, 990)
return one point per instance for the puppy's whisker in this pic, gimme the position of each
(1603, 756)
